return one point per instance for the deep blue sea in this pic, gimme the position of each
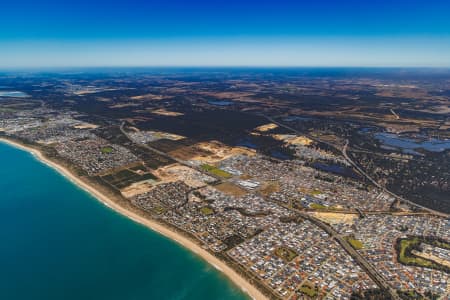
(57, 242)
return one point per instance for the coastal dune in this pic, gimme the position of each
(241, 282)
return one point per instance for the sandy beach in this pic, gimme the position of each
(185, 242)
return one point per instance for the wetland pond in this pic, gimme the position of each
(408, 145)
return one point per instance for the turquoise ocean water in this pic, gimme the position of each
(57, 242)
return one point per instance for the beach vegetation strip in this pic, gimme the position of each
(112, 202)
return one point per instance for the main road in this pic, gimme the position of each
(374, 182)
(370, 270)
(359, 169)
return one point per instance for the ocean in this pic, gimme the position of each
(58, 242)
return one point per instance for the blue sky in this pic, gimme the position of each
(49, 33)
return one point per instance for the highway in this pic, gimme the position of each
(359, 169)
(365, 265)
(374, 182)
(362, 262)
(370, 270)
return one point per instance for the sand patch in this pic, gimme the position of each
(336, 218)
(164, 112)
(219, 151)
(122, 105)
(266, 127)
(85, 126)
(190, 176)
(153, 97)
(137, 188)
(293, 139)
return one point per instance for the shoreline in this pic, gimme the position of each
(213, 261)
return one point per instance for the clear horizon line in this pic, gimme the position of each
(228, 67)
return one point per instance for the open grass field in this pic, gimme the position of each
(317, 206)
(309, 290)
(285, 254)
(408, 246)
(315, 192)
(356, 244)
(206, 210)
(107, 150)
(216, 171)
(159, 210)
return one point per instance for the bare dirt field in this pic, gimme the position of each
(231, 189)
(336, 218)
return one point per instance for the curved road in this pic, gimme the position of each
(374, 182)
(360, 170)
(371, 271)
